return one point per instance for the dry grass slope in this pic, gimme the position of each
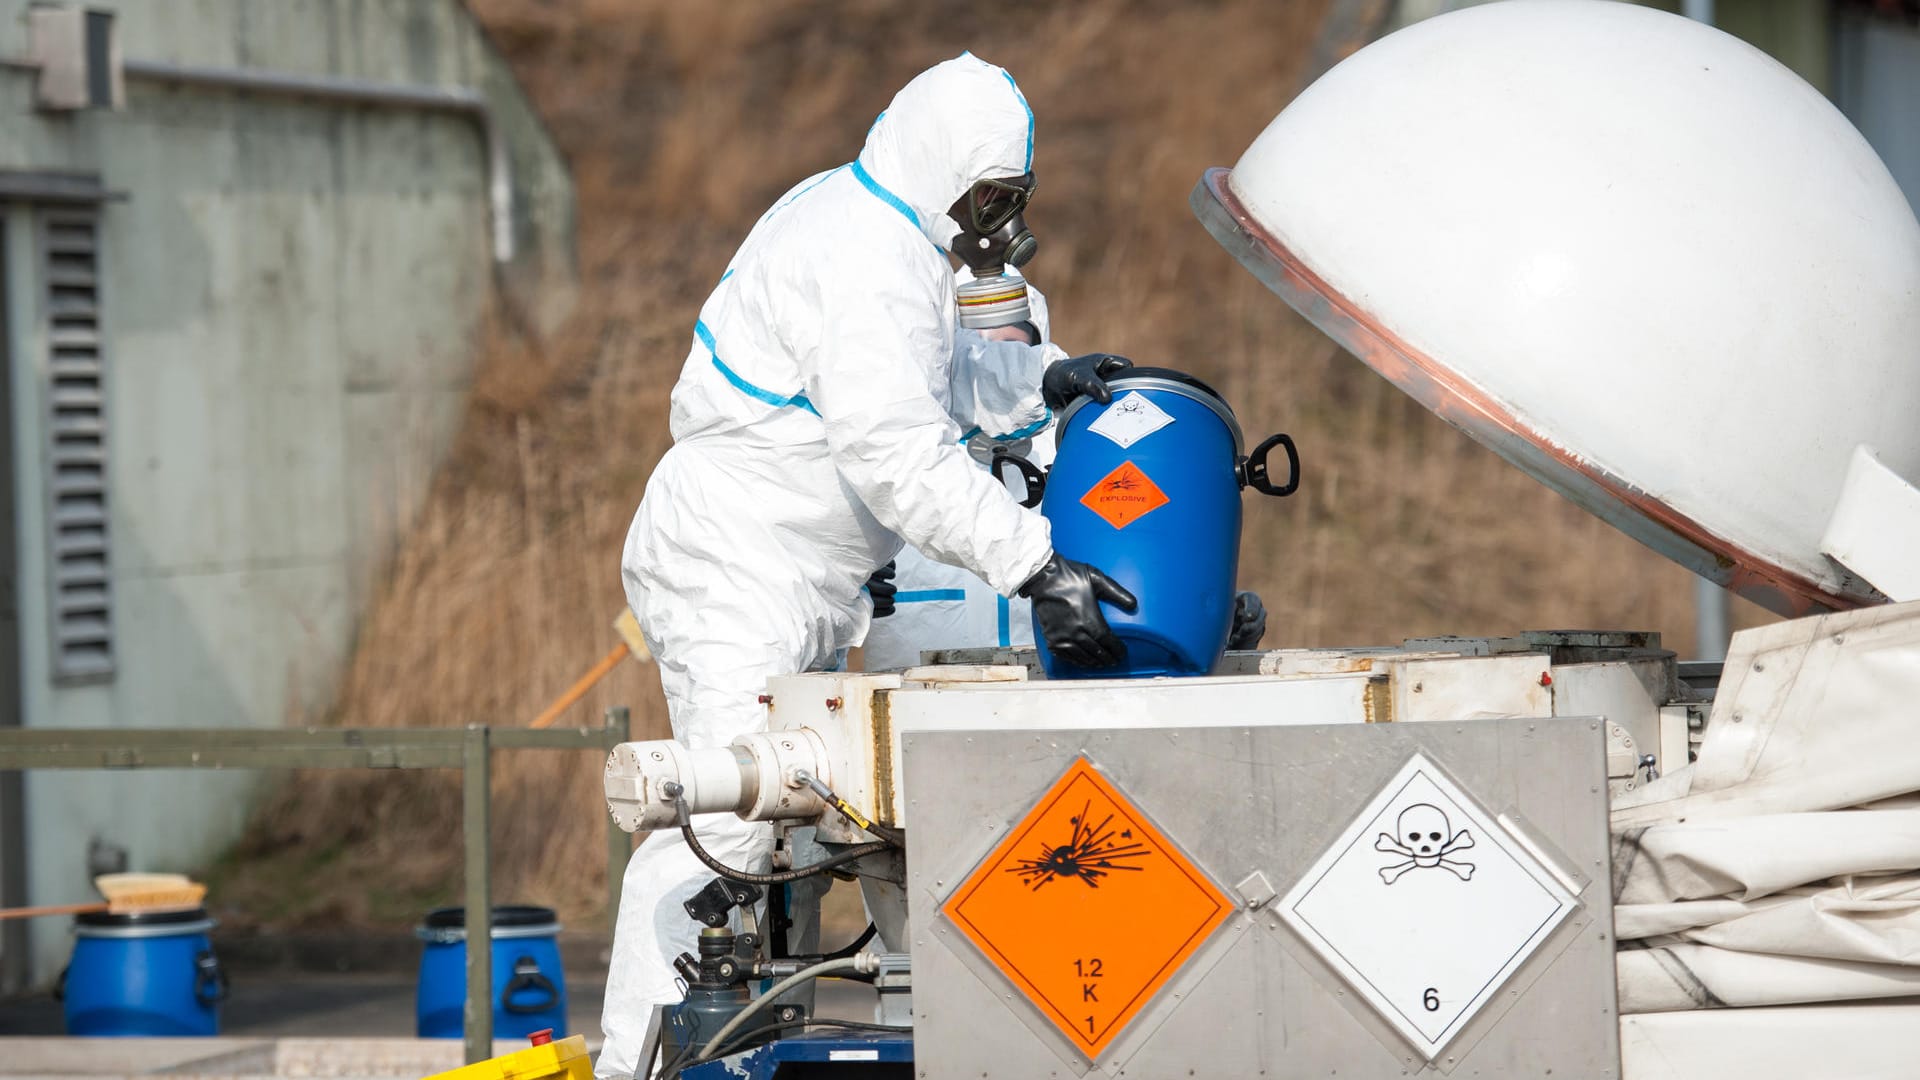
(683, 121)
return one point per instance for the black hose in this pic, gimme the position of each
(888, 833)
(779, 877)
(858, 944)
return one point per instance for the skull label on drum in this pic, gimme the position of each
(1422, 934)
(1131, 418)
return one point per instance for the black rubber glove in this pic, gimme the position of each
(1066, 599)
(1068, 379)
(1249, 622)
(881, 587)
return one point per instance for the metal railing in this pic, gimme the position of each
(467, 749)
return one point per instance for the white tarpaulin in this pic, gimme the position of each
(1814, 714)
(1784, 865)
(1795, 1042)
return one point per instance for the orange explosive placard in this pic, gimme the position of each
(1124, 496)
(1087, 908)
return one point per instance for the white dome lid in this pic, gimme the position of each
(1633, 255)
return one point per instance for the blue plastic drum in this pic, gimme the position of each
(143, 975)
(1147, 488)
(529, 987)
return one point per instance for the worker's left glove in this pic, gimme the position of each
(881, 587)
(1068, 379)
(1249, 622)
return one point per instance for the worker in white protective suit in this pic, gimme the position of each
(817, 426)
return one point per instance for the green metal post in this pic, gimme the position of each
(476, 821)
(619, 843)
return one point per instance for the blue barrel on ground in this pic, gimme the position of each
(1147, 488)
(143, 975)
(529, 986)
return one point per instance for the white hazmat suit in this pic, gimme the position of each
(817, 424)
(944, 607)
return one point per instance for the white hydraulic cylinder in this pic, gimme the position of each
(758, 777)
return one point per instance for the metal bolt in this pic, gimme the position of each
(834, 703)
(765, 699)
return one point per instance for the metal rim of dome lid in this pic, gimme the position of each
(1627, 508)
(1170, 381)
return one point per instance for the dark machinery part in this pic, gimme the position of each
(716, 992)
(711, 905)
(779, 922)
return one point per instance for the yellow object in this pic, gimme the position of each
(150, 892)
(562, 1059)
(628, 628)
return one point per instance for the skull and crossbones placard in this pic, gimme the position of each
(1424, 839)
(1420, 931)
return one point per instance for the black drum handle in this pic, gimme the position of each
(1253, 471)
(1030, 474)
(209, 979)
(526, 976)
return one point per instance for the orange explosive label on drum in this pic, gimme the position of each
(1124, 496)
(1088, 908)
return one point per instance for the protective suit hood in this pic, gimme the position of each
(957, 123)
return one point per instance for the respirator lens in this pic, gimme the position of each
(996, 202)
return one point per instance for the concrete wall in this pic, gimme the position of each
(1879, 90)
(292, 294)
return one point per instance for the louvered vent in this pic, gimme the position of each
(77, 435)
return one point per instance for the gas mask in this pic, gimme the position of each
(992, 236)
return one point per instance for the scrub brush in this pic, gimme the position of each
(127, 894)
